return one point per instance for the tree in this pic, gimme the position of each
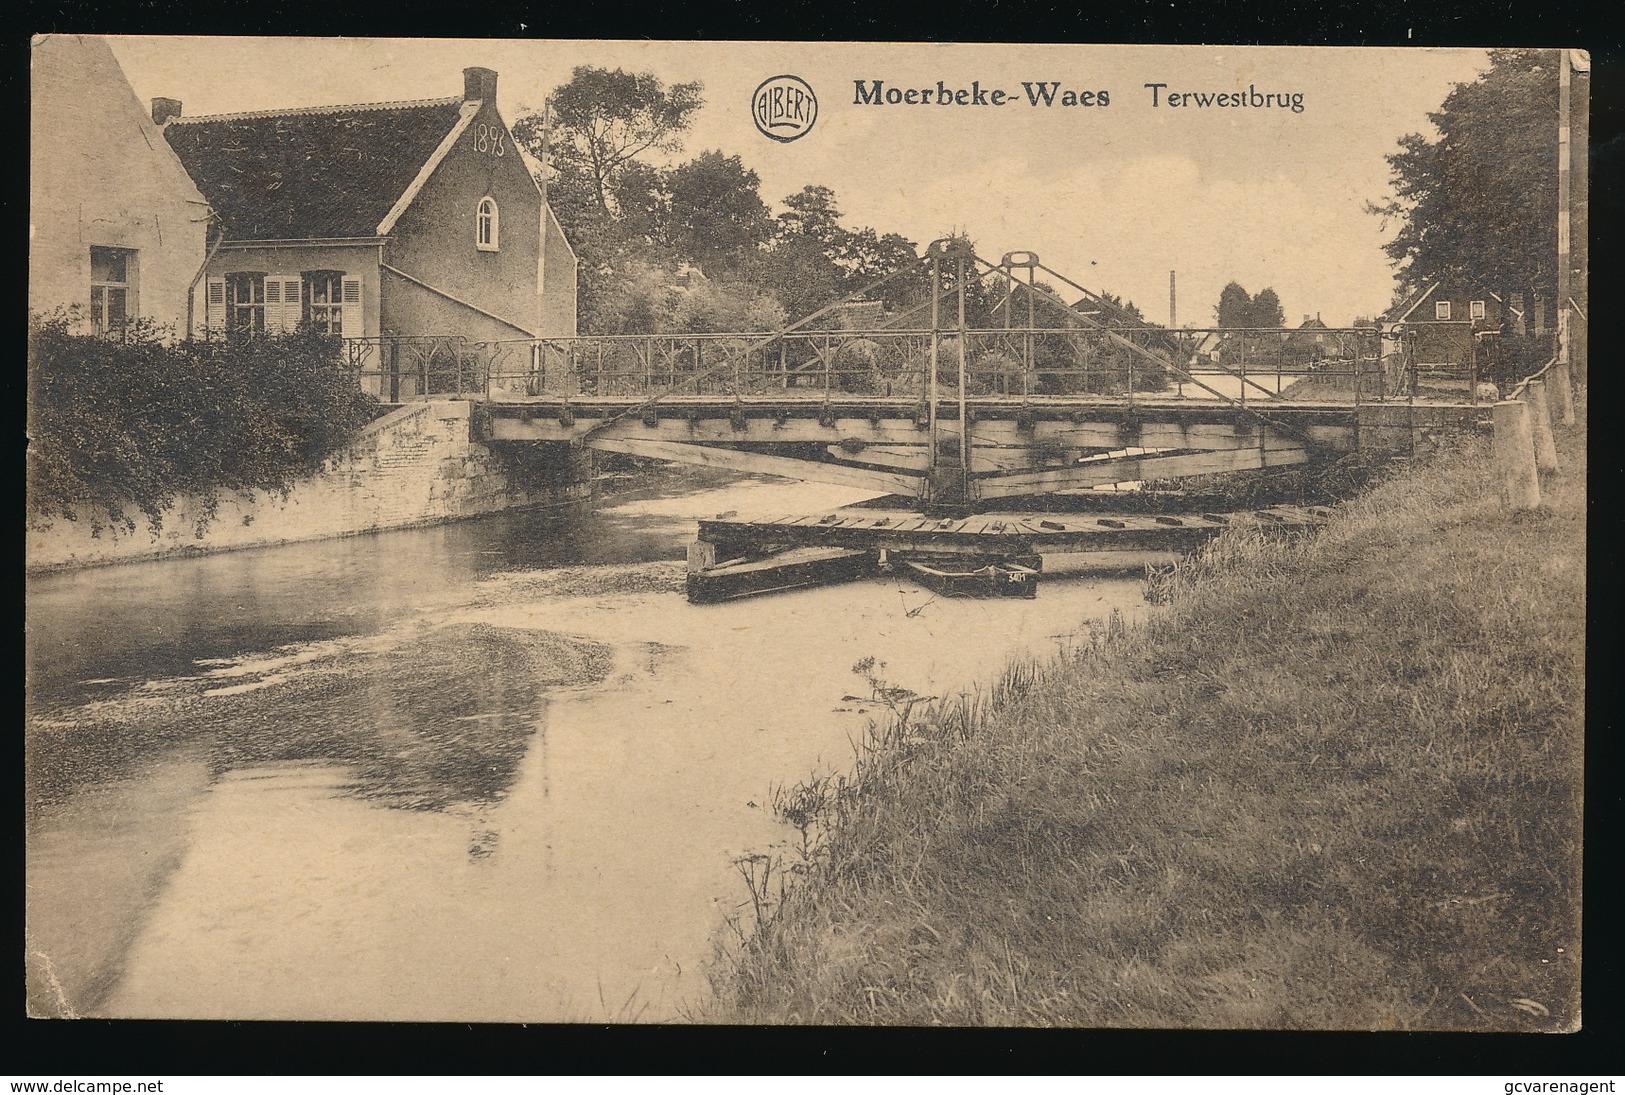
(1132, 316)
(1266, 310)
(603, 120)
(1478, 205)
(815, 260)
(611, 204)
(802, 265)
(1235, 306)
(715, 216)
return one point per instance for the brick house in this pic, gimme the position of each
(415, 218)
(1436, 319)
(115, 225)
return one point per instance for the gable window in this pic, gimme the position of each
(1441, 309)
(112, 288)
(485, 225)
(1475, 309)
(245, 305)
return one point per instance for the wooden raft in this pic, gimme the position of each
(986, 555)
(1000, 534)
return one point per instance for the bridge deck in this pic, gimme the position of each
(589, 404)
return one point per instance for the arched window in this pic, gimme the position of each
(485, 225)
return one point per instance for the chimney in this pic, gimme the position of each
(1306, 317)
(479, 83)
(165, 109)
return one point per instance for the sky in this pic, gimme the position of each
(1114, 197)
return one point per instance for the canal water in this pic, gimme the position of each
(498, 770)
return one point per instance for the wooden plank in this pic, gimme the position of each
(761, 463)
(1135, 467)
(916, 457)
(996, 534)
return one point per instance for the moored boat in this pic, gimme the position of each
(974, 576)
(774, 573)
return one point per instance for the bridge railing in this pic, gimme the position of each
(1336, 365)
(1004, 362)
(404, 368)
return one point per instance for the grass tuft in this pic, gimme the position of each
(1334, 782)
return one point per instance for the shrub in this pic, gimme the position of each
(126, 425)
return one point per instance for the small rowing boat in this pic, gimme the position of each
(973, 577)
(793, 569)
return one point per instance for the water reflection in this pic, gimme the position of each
(492, 771)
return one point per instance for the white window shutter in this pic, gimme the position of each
(283, 309)
(273, 305)
(214, 306)
(353, 322)
(293, 304)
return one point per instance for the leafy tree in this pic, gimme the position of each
(1133, 316)
(803, 264)
(708, 305)
(1478, 205)
(1235, 306)
(639, 300)
(603, 120)
(610, 203)
(715, 216)
(1266, 310)
(814, 259)
(811, 214)
(873, 257)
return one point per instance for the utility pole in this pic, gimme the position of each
(1564, 152)
(1173, 314)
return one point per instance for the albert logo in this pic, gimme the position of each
(784, 107)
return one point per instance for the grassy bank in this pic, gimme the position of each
(1335, 783)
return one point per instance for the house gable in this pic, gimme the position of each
(318, 173)
(436, 189)
(435, 247)
(101, 176)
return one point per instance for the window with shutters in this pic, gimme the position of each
(324, 300)
(485, 225)
(284, 308)
(112, 289)
(245, 304)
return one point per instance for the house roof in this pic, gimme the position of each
(313, 172)
(1401, 311)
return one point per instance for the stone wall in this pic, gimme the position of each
(417, 465)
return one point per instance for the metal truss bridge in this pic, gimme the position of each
(921, 403)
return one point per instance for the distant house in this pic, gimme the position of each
(1444, 323)
(115, 226)
(394, 219)
(1311, 342)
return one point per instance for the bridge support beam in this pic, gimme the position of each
(761, 463)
